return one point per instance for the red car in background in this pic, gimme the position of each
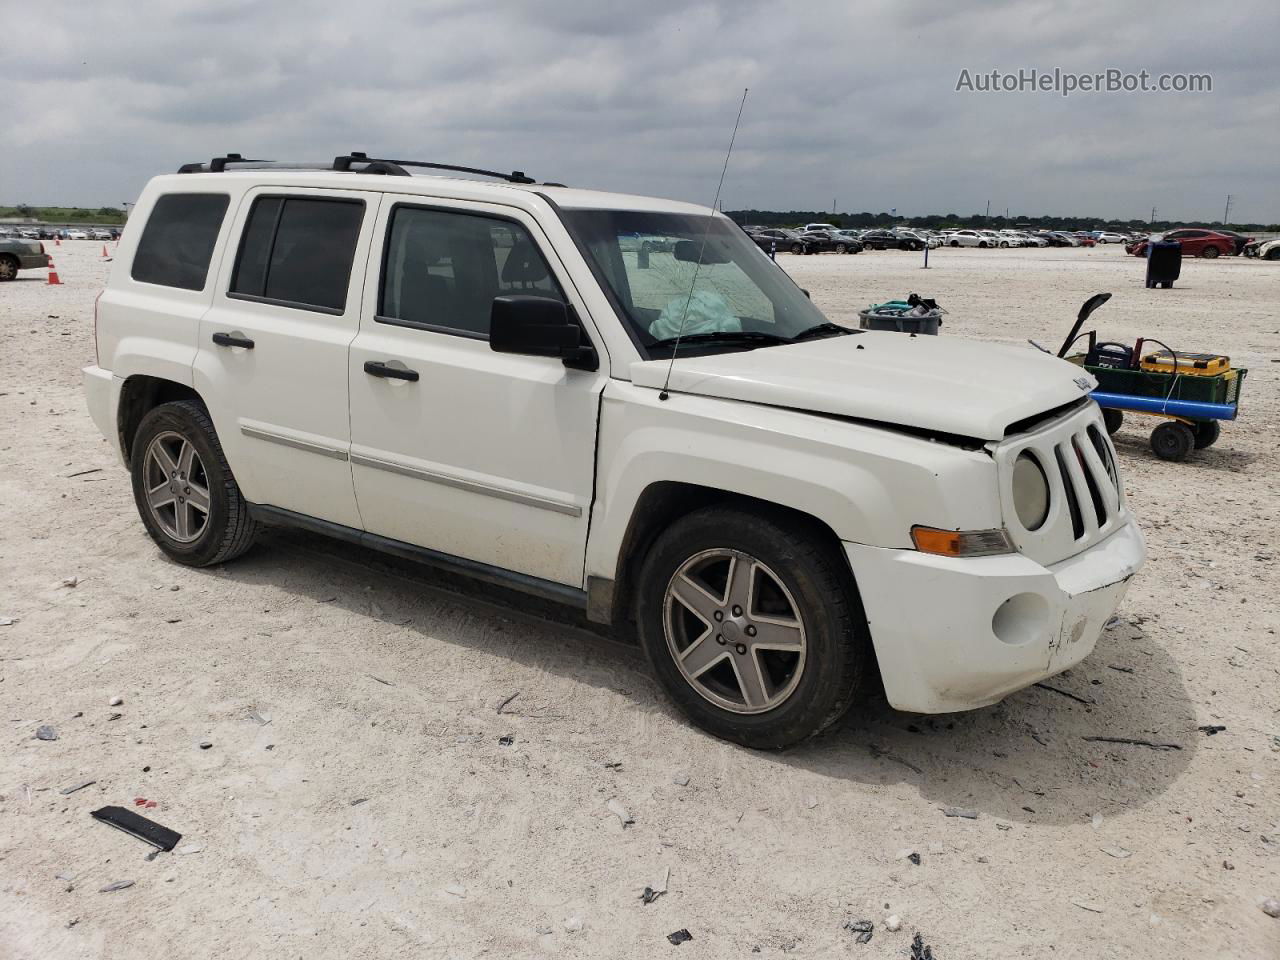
(1195, 243)
(1086, 239)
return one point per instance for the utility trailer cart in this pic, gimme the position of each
(1191, 392)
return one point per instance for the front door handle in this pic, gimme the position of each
(376, 368)
(230, 340)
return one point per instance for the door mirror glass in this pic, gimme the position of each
(537, 327)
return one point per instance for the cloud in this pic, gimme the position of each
(853, 102)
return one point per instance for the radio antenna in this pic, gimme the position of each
(665, 394)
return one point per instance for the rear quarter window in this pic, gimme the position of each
(178, 240)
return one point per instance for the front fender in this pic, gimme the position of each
(867, 484)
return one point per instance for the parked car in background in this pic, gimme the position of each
(19, 254)
(892, 240)
(967, 238)
(1195, 243)
(831, 241)
(77, 235)
(1105, 236)
(781, 240)
(1240, 239)
(99, 233)
(823, 227)
(1263, 249)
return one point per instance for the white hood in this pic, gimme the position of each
(963, 387)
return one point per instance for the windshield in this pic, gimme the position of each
(647, 263)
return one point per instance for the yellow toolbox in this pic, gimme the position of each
(1189, 364)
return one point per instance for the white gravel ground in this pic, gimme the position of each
(376, 814)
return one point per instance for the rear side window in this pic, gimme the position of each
(177, 242)
(297, 251)
(442, 270)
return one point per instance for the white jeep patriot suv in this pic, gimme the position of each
(620, 403)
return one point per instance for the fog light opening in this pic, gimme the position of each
(1020, 619)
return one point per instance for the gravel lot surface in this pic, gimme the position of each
(357, 802)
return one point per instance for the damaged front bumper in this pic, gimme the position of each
(955, 634)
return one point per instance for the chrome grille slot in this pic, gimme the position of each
(1085, 491)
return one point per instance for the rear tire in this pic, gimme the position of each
(1113, 420)
(841, 248)
(202, 485)
(1207, 433)
(1210, 253)
(8, 267)
(1173, 441)
(797, 248)
(798, 581)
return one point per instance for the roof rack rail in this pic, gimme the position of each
(356, 156)
(354, 162)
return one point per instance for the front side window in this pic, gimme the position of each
(178, 240)
(298, 251)
(442, 270)
(702, 276)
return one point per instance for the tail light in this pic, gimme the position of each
(97, 357)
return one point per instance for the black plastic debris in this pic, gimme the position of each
(920, 950)
(506, 741)
(863, 928)
(1211, 729)
(914, 858)
(145, 830)
(649, 895)
(679, 937)
(67, 791)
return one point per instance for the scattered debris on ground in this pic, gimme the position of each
(138, 826)
(502, 706)
(894, 923)
(1087, 701)
(863, 928)
(67, 791)
(962, 812)
(651, 894)
(1154, 745)
(679, 937)
(619, 811)
(1211, 729)
(118, 885)
(46, 732)
(920, 950)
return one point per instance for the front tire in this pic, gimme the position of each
(1112, 419)
(186, 495)
(8, 267)
(1173, 441)
(752, 625)
(797, 248)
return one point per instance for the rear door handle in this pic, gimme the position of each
(229, 340)
(376, 368)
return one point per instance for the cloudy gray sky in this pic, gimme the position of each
(849, 101)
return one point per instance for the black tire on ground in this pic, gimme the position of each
(229, 530)
(1273, 254)
(841, 248)
(8, 267)
(838, 649)
(1207, 433)
(1173, 441)
(982, 244)
(1113, 419)
(955, 243)
(797, 248)
(1210, 253)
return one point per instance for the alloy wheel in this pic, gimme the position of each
(177, 487)
(734, 631)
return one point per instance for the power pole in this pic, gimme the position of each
(1226, 210)
(1153, 216)
(988, 208)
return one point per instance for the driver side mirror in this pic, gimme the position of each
(538, 327)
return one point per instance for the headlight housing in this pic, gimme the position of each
(1030, 491)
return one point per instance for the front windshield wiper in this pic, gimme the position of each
(822, 330)
(752, 337)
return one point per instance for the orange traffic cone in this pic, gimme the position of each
(53, 273)
(57, 241)
(105, 255)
